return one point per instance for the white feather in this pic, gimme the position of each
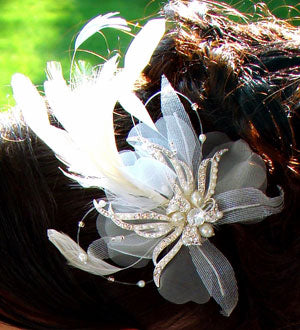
(98, 23)
(133, 105)
(58, 93)
(142, 48)
(30, 102)
(85, 110)
(35, 114)
(77, 257)
(136, 58)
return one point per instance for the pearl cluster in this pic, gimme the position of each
(196, 210)
(189, 214)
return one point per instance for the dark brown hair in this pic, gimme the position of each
(245, 78)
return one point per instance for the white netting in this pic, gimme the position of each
(217, 275)
(180, 282)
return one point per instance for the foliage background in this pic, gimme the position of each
(34, 32)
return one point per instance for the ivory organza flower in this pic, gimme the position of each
(166, 198)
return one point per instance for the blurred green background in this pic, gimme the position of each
(36, 31)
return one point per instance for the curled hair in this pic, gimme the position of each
(243, 75)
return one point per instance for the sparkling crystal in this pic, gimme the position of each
(164, 261)
(196, 217)
(191, 236)
(165, 242)
(185, 219)
(172, 206)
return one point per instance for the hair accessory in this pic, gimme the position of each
(166, 198)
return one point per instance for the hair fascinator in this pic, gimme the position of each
(167, 195)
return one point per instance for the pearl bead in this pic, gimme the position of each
(81, 224)
(177, 217)
(196, 198)
(195, 106)
(102, 203)
(202, 138)
(206, 230)
(219, 215)
(141, 284)
(82, 257)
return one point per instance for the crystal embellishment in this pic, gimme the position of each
(189, 215)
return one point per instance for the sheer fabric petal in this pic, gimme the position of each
(217, 275)
(180, 282)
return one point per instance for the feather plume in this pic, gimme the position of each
(142, 47)
(30, 101)
(136, 58)
(77, 257)
(85, 110)
(98, 23)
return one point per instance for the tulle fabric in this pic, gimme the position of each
(199, 272)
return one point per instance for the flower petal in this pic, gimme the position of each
(180, 131)
(217, 275)
(240, 168)
(247, 205)
(152, 175)
(180, 283)
(130, 245)
(158, 136)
